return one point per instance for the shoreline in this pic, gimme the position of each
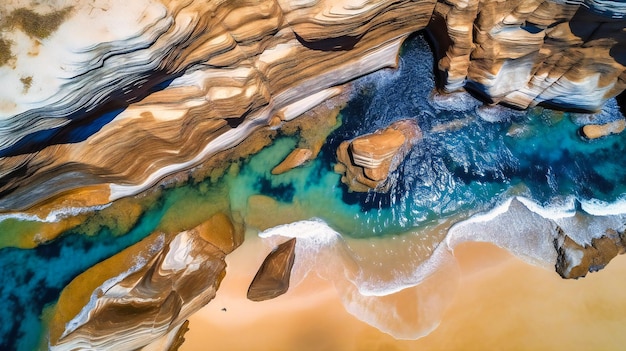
(515, 306)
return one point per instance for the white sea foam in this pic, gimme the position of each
(527, 229)
(457, 101)
(609, 113)
(407, 304)
(402, 286)
(564, 208)
(314, 229)
(496, 113)
(511, 226)
(603, 208)
(55, 215)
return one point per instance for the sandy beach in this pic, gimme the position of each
(501, 303)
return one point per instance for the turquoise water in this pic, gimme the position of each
(34, 278)
(537, 154)
(452, 172)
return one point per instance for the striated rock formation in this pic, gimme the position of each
(366, 162)
(119, 306)
(122, 106)
(203, 76)
(272, 279)
(575, 260)
(523, 53)
(108, 99)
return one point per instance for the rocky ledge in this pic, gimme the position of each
(143, 295)
(110, 98)
(366, 162)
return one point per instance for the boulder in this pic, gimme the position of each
(272, 279)
(366, 161)
(575, 260)
(296, 158)
(595, 131)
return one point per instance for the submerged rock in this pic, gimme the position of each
(595, 131)
(366, 162)
(575, 261)
(272, 279)
(296, 158)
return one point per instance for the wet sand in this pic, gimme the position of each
(502, 303)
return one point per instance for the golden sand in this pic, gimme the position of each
(502, 304)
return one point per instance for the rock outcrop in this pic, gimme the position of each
(295, 158)
(144, 294)
(272, 278)
(366, 161)
(575, 260)
(594, 131)
(156, 88)
(203, 76)
(523, 53)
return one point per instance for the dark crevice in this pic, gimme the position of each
(340, 43)
(85, 121)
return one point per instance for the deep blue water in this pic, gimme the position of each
(452, 171)
(473, 167)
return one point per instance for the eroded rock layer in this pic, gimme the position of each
(123, 107)
(202, 76)
(367, 161)
(144, 294)
(575, 260)
(523, 53)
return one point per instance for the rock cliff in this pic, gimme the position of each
(120, 107)
(144, 294)
(203, 76)
(110, 98)
(523, 53)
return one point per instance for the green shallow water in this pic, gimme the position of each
(452, 173)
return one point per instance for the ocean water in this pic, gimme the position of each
(472, 161)
(465, 164)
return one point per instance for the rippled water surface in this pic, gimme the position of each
(465, 163)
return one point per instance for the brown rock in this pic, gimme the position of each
(296, 158)
(220, 231)
(367, 161)
(261, 63)
(272, 279)
(575, 260)
(594, 131)
(144, 294)
(524, 53)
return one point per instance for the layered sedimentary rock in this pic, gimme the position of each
(523, 53)
(109, 98)
(214, 72)
(144, 294)
(122, 106)
(367, 161)
(272, 279)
